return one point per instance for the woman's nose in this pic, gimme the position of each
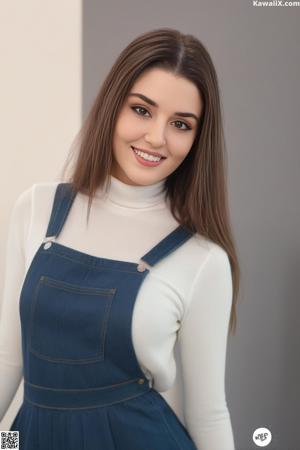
(156, 136)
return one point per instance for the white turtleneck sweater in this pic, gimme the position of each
(182, 310)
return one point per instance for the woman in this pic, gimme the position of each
(104, 301)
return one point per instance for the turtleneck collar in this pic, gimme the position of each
(131, 196)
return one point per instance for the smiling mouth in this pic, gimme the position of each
(148, 155)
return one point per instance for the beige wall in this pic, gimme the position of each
(40, 107)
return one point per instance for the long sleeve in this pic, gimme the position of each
(11, 365)
(192, 288)
(202, 341)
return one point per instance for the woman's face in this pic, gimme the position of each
(164, 121)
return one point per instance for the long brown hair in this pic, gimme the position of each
(196, 190)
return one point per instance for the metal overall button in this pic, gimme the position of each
(48, 242)
(141, 267)
(141, 381)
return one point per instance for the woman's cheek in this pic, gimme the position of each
(133, 128)
(179, 148)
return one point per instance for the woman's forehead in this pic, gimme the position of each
(164, 88)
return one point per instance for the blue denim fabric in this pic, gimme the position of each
(83, 386)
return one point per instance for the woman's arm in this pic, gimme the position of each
(11, 365)
(202, 341)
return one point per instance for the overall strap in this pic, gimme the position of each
(63, 199)
(167, 245)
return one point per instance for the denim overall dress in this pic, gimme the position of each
(83, 386)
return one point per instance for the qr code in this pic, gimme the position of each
(9, 439)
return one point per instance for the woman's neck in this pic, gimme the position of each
(133, 196)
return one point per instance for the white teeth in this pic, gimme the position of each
(147, 156)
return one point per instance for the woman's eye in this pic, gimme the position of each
(135, 108)
(183, 123)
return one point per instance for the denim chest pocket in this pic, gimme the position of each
(68, 322)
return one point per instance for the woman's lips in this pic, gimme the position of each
(149, 152)
(145, 162)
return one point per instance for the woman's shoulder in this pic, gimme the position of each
(201, 248)
(31, 207)
(197, 255)
(206, 254)
(36, 198)
(37, 192)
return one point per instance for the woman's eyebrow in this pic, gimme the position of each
(152, 102)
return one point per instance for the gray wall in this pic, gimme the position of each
(256, 54)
